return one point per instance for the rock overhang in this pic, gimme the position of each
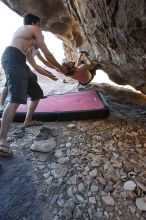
(112, 31)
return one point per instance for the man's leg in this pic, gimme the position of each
(35, 93)
(32, 106)
(7, 118)
(3, 96)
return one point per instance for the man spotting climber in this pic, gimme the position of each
(20, 80)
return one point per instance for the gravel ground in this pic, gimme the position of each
(93, 169)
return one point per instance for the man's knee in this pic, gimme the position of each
(35, 100)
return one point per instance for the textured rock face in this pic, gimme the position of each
(115, 35)
(113, 31)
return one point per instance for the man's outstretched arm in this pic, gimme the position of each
(41, 44)
(39, 69)
(44, 61)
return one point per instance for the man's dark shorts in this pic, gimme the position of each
(20, 80)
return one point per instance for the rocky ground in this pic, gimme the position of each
(93, 170)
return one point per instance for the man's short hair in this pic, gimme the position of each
(30, 18)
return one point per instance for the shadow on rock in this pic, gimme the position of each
(18, 194)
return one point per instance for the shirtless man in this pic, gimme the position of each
(20, 80)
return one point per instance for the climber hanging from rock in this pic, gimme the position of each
(84, 71)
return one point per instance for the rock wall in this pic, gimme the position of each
(112, 31)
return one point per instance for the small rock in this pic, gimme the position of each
(70, 191)
(59, 172)
(68, 208)
(80, 198)
(92, 200)
(77, 213)
(42, 158)
(129, 185)
(61, 202)
(108, 200)
(87, 169)
(49, 180)
(93, 173)
(46, 175)
(63, 160)
(132, 209)
(106, 214)
(44, 146)
(41, 167)
(68, 144)
(117, 165)
(141, 204)
(94, 188)
(90, 213)
(59, 183)
(81, 187)
(73, 179)
(58, 153)
(71, 126)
